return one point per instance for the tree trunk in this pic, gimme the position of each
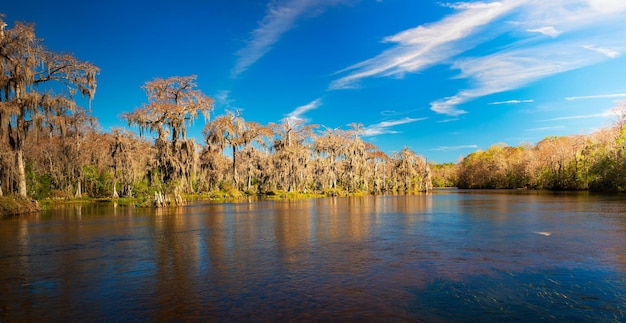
(190, 183)
(21, 173)
(235, 179)
(79, 191)
(115, 195)
(128, 191)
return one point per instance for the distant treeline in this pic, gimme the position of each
(580, 162)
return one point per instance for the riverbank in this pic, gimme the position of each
(215, 196)
(14, 205)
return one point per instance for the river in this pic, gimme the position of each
(449, 256)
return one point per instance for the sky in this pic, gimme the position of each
(442, 78)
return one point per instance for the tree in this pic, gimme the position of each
(411, 172)
(214, 166)
(233, 131)
(292, 154)
(173, 104)
(607, 155)
(330, 148)
(29, 74)
(378, 161)
(355, 163)
(127, 154)
(444, 175)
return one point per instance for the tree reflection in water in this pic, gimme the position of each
(448, 256)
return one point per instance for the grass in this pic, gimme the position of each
(10, 205)
(15, 205)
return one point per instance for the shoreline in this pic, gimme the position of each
(14, 205)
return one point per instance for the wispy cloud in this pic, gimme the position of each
(384, 127)
(512, 102)
(545, 128)
(525, 59)
(426, 45)
(296, 114)
(548, 30)
(454, 148)
(604, 51)
(470, 5)
(222, 98)
(613, 112)
(280, 17)
(600, 96)
(586, 116)
(511, 69)
(392, 113)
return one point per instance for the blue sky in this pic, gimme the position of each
(442, 78)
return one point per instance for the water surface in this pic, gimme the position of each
(447, 256)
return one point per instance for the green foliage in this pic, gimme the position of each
(226, 191)
(95, 183)
(444, 175)
(596, 162)
(142, 187)
(337, 191)
(41, 185)
(228, 194)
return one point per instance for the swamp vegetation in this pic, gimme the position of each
(53, 148)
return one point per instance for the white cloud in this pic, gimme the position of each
(613, 112)
(511, 69)
(525, 62)
(296, 114)
(604, 51)
(280, 17)
(448, 120)
(571, 15)
(508, 66)
(392, 113)
(448, 105)
(601, 96)
(453, 148)
(545, 128)
(222, 98)
(384, 127)
(425, 45)
(512, 102)
(471, 5)
(606, 114)
(607, 6)
(548, 31)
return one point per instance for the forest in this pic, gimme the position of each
(594, 162)
(53, 148)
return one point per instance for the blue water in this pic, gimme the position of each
(444, 257)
